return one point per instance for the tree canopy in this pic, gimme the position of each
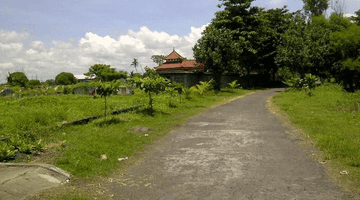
(231, 42)
(102, 72)
(17, 79)
(315, 7)
(65, 78)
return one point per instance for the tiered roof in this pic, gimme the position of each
(175, 62)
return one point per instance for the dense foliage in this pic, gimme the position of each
(33, 84)
(102, 72)
(17, 79)
(65, 78)
(242, 39)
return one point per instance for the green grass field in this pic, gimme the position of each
(330, 117)
(31, 122)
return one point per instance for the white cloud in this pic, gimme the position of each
(76, 57)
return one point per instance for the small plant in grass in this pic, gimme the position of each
(308, 83)
(105, 89)
(187, 92)
(152, 82)
(233, 85)
(202, 87)
(7, 152)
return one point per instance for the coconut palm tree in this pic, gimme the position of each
(135, 63)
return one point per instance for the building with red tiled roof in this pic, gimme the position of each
(175, 62)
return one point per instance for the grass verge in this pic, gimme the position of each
(330, 117)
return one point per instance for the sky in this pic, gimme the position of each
(44, 37)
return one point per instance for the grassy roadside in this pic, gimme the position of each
(331, 119)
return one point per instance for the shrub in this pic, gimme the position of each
(65, 78)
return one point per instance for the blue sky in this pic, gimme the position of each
(44, 37)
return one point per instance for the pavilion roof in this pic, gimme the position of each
(173, 55)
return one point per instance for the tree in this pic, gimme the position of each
(315, 7)
(33, 84)
(275, 23)
(105, 89)
(152, 82)
(356, 18)
(65, 78)
(305, 46)
(231, 42)
(135, 63)
(102, 72)
(158, 59)
(217, 50)
(17, 79)
(346, 44)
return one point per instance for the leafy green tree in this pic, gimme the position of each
(102, 72)
(65, 78)
(217, 50)
(231, 42)
(33, 84)
(275, 23)
(305, 46)
(315, 7)
(356, 18)
(105, 89)
(17, 79)
(346, 44)
(152, 82)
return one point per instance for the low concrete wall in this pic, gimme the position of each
(189, 79)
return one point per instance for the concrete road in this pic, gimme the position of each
(20, 180)
(235, 151)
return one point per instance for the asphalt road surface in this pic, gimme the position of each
(235, 151)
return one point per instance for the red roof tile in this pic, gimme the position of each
(173, 55)
(185, 65)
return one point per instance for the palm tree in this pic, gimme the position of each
(135, 63)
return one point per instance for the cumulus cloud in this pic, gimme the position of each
(45, 62)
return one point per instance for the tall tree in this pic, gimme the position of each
(135, 63)
(315, 7)
(231, 42)
(305, 46)
(275, 23)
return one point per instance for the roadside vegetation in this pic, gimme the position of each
(331, 118)
(33, 128)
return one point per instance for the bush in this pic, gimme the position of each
(33, 84)
(65, 78)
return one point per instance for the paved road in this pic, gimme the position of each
(235, 151)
